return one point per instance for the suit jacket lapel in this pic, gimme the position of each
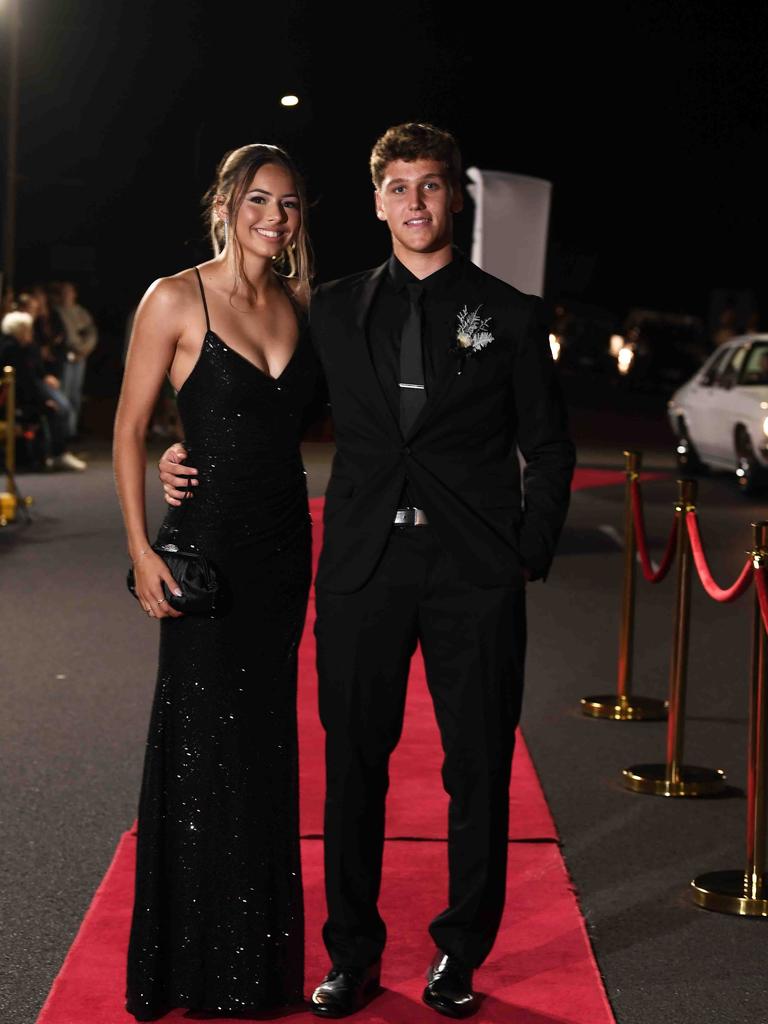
(447, 365)
(369, 379)
(469, 291)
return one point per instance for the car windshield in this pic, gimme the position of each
(755, 368)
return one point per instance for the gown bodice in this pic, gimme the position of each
(242, 430)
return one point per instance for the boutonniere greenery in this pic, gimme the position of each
(472, 334)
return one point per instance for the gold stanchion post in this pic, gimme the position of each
(8, 499)
(675, 778)
(621, 706)
(746, 892)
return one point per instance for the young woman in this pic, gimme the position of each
(217, 922)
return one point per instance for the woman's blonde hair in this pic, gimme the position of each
(233, 177)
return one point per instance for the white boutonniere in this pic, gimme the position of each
(472, 334)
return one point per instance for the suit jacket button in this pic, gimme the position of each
(406, 450)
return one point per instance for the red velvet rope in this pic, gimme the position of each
(707, 581)
(762, 595)
(642, 540)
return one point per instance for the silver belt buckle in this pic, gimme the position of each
(410, 517)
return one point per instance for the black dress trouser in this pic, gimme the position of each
(473, 642)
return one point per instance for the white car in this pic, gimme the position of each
(720, 416)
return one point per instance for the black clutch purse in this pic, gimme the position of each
(197, 579)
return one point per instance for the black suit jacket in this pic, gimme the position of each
(461, 452)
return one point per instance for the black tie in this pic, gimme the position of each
(413, 392)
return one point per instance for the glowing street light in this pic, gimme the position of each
(290, 101)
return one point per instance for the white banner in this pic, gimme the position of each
(511, 227)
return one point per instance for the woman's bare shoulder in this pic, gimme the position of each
(177, 288)
(171, 295)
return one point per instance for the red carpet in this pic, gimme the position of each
(585, 478)
(541, 970)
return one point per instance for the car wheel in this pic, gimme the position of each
(687, 457)
(750, 475)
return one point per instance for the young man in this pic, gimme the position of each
(437, 373)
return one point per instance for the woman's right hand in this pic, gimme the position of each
(150, 572)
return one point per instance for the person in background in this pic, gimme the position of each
(50, 334)
(48, 353)
(38, 393)
(81, 339)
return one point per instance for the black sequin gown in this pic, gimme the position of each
(218, 920)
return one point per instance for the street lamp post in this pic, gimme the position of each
(12, 133)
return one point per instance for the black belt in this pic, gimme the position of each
(410, 517)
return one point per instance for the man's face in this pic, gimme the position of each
(417, 200)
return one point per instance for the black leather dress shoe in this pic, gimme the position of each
(449, 987)
(345, 990)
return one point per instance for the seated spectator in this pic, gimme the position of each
(37, 392)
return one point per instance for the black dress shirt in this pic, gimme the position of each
(386, 320)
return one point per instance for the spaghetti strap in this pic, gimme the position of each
(202, 296)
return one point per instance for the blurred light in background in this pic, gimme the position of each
(624, 358)
(554, 344)
(286, 101)
(615, 345)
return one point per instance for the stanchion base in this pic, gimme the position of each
(7, 508)
(624, 709)
(725, 892)
(652, 778)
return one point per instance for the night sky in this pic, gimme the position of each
(647, 117)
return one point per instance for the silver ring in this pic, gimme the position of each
(161, 601)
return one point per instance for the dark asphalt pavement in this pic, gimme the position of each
(78, 674)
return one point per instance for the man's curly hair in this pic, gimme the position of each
(414, 141)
